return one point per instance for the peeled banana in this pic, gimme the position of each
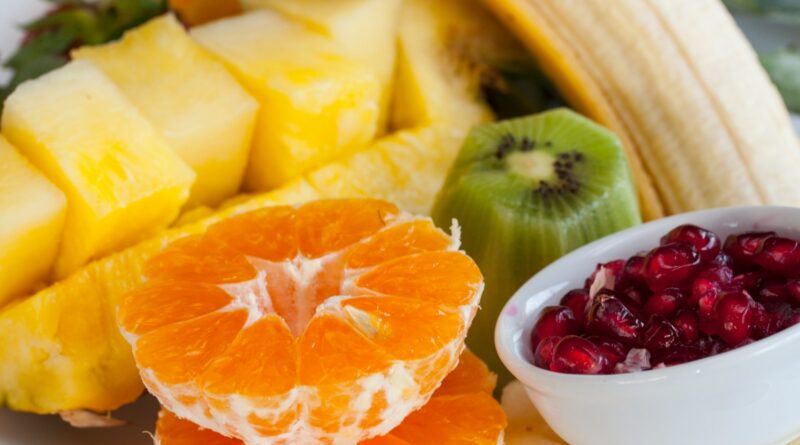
(679, 83)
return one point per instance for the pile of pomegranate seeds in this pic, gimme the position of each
(690, 297)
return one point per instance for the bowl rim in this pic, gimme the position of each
(527, 372)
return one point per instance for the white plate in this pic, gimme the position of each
(28, 429)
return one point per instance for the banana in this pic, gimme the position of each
(679, 83)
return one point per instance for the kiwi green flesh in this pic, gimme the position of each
(511, 227)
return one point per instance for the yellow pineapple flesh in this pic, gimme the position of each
(121, 179)
(366, 29)
(317, 104)
(31, 219)
(407, 168)
(196, 104)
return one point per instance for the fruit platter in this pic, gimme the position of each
(399, 222)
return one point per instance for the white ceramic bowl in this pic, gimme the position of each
(748, 396)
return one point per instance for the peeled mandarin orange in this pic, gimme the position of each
(460, 412)
(326, 323)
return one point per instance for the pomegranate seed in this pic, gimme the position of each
(612, 350)
(744, 247)
(659, 334)
(632, 296)
(734, 313)
(687, 325)
(710, 280)
(664, 303)
(555, 321)
(770, 318)
(671, 265)
(773, 291)
(706, 242)
(609, 317)
(780, 256)
(578, 301)
(633, 271)
(792, 288)
(543, 354)
(749, 281)
(576, 355)
(681, 354)
(615, 267)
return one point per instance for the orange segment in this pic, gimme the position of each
(450, 278)
(471, 375)
(200, 259)
(330, 225)
(252, 331)
(259, 362)
(174, 431)
(332, 351)
(474, 419)
(398, 241)
(178, 352)
(269, 234)
(408, 329)
(159, 303)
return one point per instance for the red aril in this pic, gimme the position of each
(554, 321)
(734, 313)
(779, 256)
(543, 353)
(744, 247)
(578, 301)
(576, 355)
(671, 265)
(705, 242)
(609, 317)
(687, 325)
(664, 303)
(659, 334)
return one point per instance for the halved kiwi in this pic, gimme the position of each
(525, 192)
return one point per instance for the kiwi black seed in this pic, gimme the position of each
(525, 192)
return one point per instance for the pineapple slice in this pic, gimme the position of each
(446, 49)
(367, 29)
(31, 218)
(122, 181)
(316, 103)
(196, 105)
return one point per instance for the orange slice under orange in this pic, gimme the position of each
(460, 412)
(326, 323)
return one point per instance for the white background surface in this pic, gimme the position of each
(27, 429)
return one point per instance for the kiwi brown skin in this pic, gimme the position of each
(526, 191)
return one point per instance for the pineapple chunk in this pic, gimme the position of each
(367, 29)
(444, 48)
(407, 168)
(316, 104)
(197, 106)
(122, 181)
(31, 218)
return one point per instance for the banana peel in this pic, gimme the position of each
(679, 83)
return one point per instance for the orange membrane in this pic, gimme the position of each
(327, 323)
